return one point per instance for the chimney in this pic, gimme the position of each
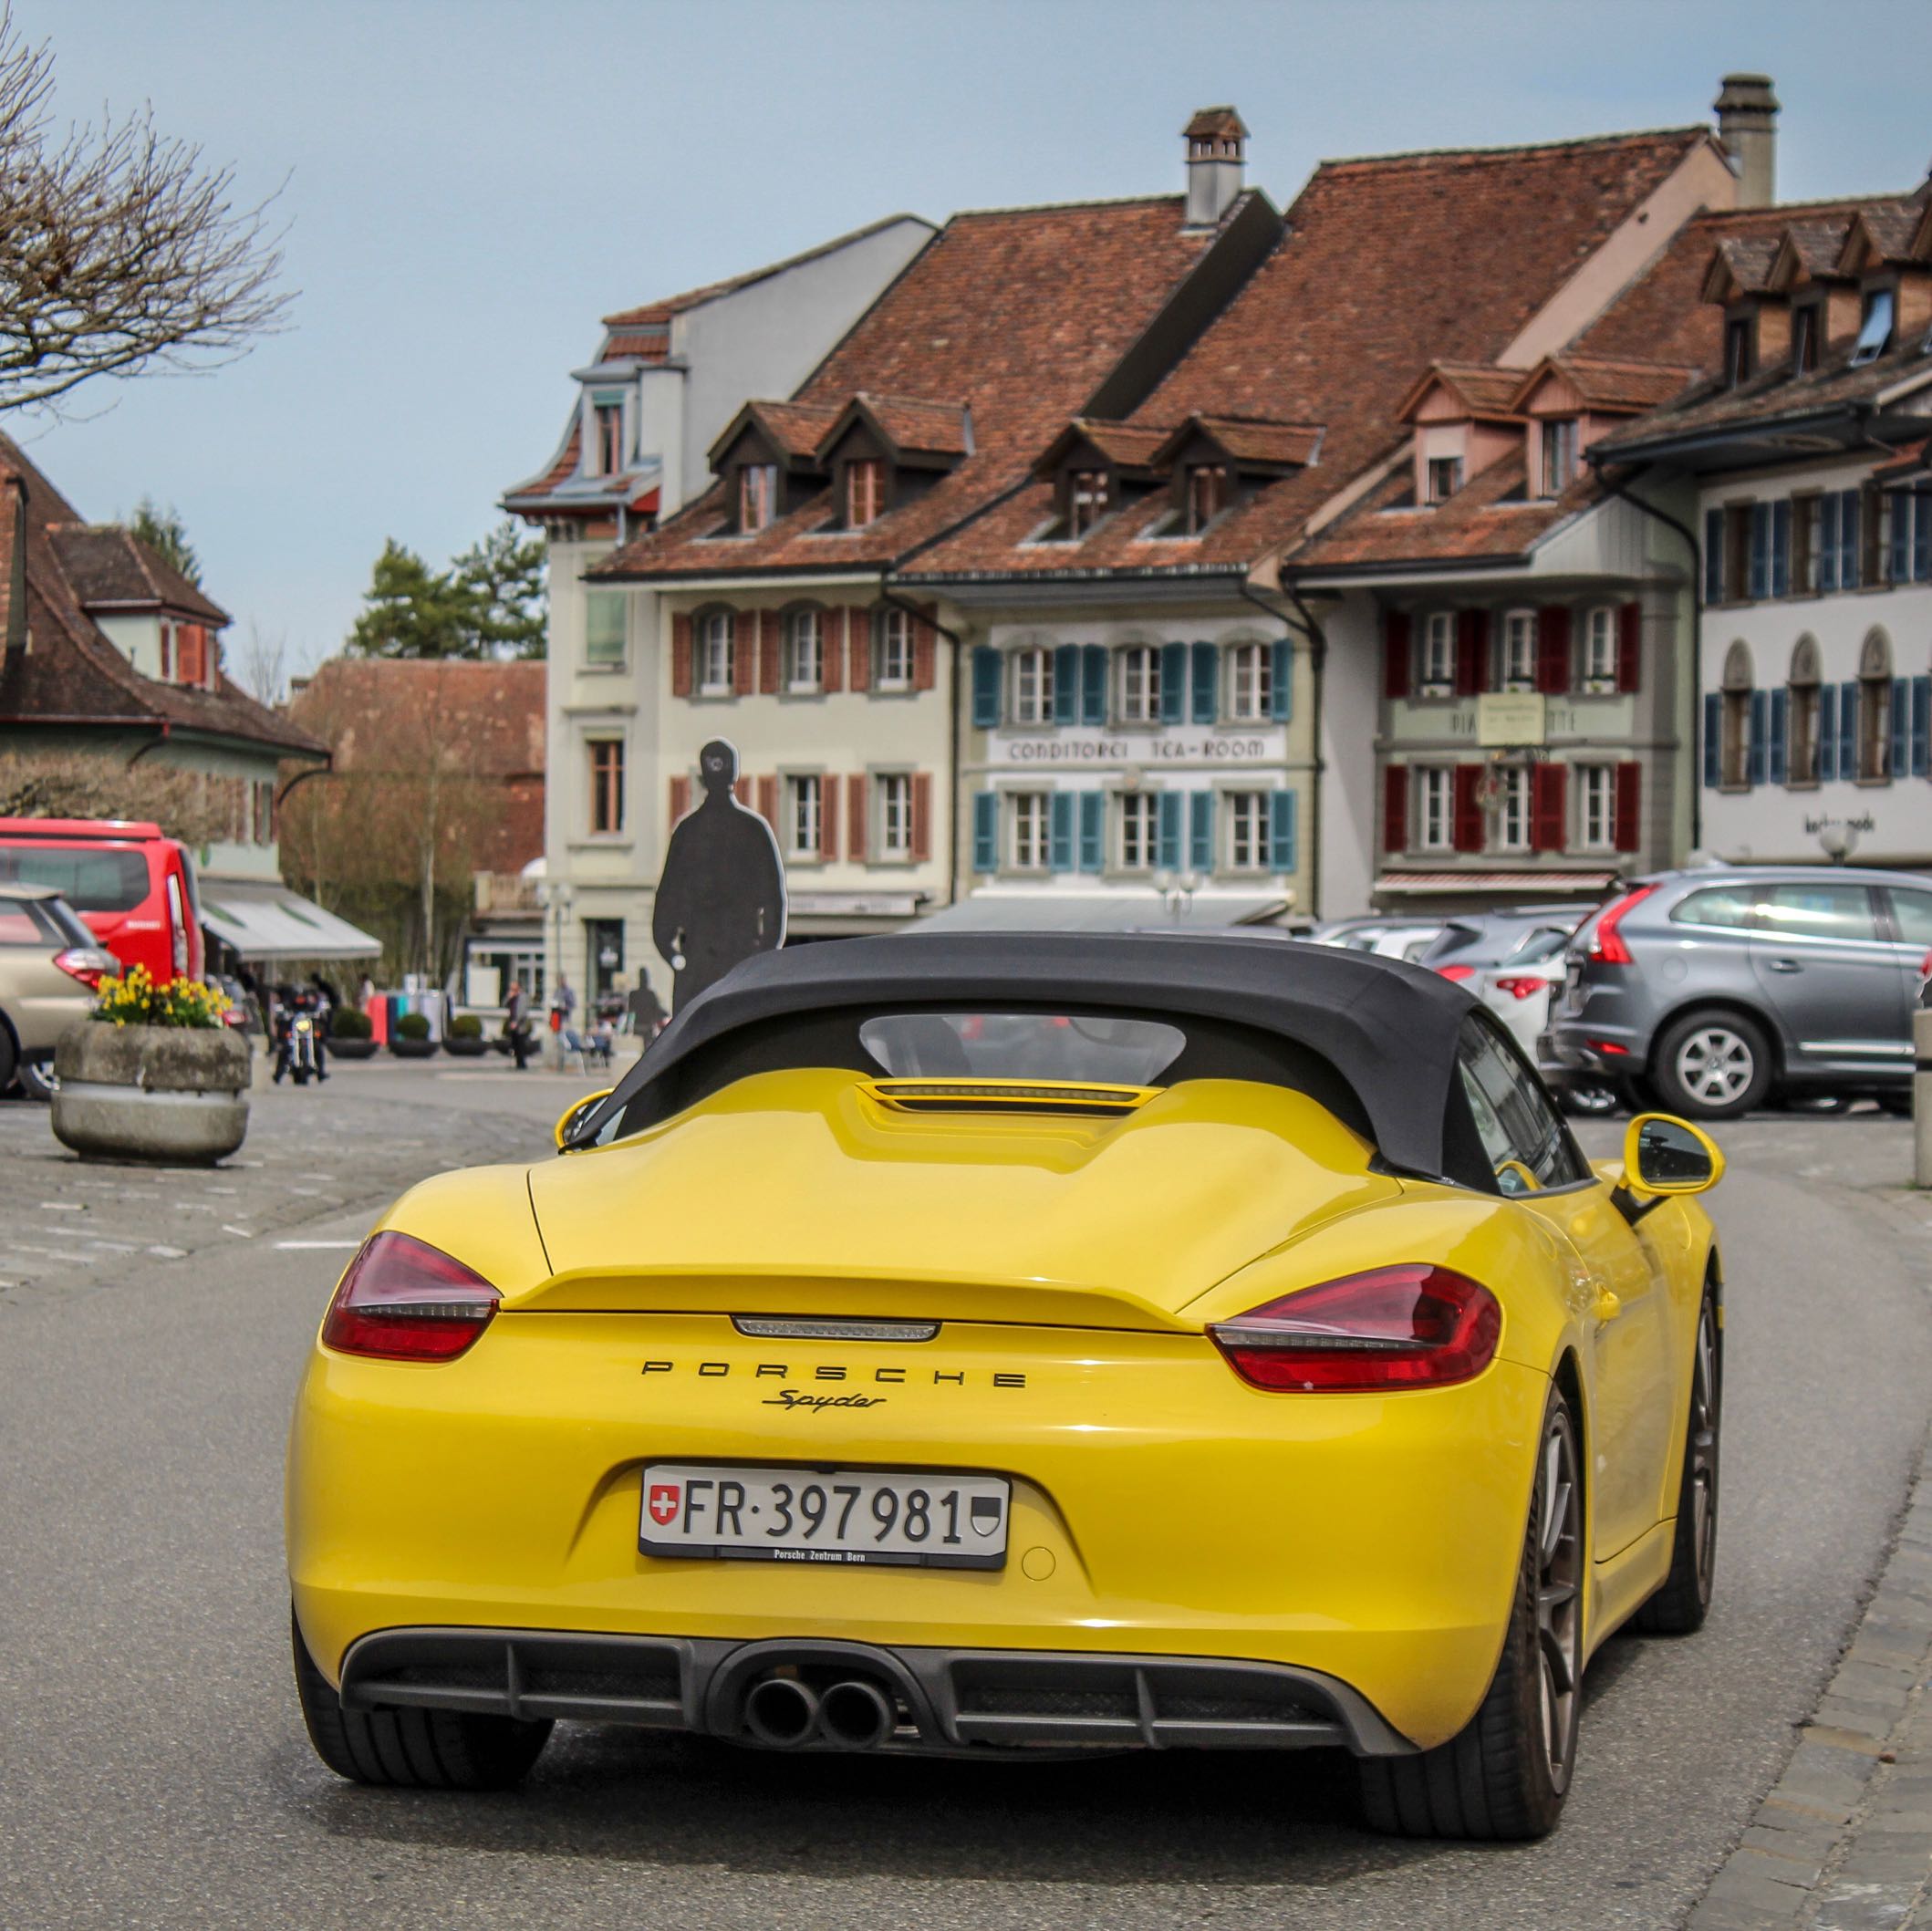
(1748, 126)
(16, 636)
(1217, 152)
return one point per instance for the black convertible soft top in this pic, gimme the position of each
(1389, 1030)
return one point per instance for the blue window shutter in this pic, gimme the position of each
(986, 832)
(1280, 831)
(1173, 684)
(1713, 556)
(1828, 541)
(1092, 684)
(1922, 536)
(1200, 831)
(1780, 724)
(1827, 732)
(1281, 689)
(1206, 688)
(1168, 853)
(1760, 549)
(1922, 727)
(1759, 735)
(1901, 547)
(1066, 684)
(1780, 565)
(986, 666)
(1901, 761)
(1848, 729)
(1713, 740)
(1092, 831)
(1848, 564)
(1060, 831)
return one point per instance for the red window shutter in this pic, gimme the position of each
(858, 649)
(925, 651)
(921, 817)
(190, 641)
(1629, 645)
(855, 812)
(828, 818)
(744, 653)
(1473, 636)
(1395, 653)
(681, 660)
(680, 786)
(768, 802)
(832, 633)
(1546, 807)
(768, 650)
(741, 791)
(1468, 808)
(1395, 807)
(1629, 792)
(1552, 649)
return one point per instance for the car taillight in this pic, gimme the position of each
(1606, 943)
(1409, 1326)
(1522, 988)
(86, 964)
(1458, 973)
(405, 1300)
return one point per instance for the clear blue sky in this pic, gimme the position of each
(470, 185)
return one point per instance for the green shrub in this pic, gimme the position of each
(412, 1025)
(346, 1023)
(466, 1025)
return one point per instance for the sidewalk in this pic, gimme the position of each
(1843, 1840)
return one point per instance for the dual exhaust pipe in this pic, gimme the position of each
(782, 1713)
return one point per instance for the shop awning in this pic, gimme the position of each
(1526, 884)
(1098, 911)
(269, 921)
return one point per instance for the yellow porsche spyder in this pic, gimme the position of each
(987, 1346)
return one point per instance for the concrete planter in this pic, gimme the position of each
(353, 1049)
(170, 1093)
(412, 1048)
(459, 1047)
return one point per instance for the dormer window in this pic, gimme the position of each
(1738, 354)
(1207, 494)
(1087, 501)
(1559, 454)
(1804, 339)
(607, 437)
(1875, 331)
(865, 491)
(757, 496)
(1445, 477)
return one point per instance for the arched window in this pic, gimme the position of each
(805, 647)
(716, 631)
(1802, 719)
(1874, 708)
(1735, 770)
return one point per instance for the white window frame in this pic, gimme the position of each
(1516, 667)
(1600, 650)
(609, 456)
(1251, 682)
(717, 650)
(1031, 674)
(893, 813)
(1027, 814)
(1560, 440)
(803, 677)
(895, 649)
(1595, 808)
(1137, 831)
(1436, 668)
(1139, 684)
(1444, 477)
(1434, 815)
(1513, 808)
(1246, 844)
(804, 803)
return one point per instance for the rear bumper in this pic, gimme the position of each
(947, 1700)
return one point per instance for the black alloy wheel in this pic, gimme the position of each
(1683, 1601)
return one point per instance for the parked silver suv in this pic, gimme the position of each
(1726, 986)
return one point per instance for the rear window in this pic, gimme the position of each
(1545, 942)
(1022, 1045)
(25, 921)
(91, 879)
(1723, 905)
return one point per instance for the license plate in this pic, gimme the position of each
(1572, 987)
(898, 1517)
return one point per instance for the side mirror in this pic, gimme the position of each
(576, 1114)
(1663, 1155)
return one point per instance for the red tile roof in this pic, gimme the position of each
(1018, 314)
(932, 429)
(1125, 447)
(110, 567)
(1248, 439)
(1603, 383)
(1482, 388)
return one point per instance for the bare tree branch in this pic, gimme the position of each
(121, 251)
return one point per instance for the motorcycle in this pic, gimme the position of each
(299, 1050)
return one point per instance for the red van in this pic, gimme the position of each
(133, 888)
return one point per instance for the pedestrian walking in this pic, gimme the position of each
(517, 1023)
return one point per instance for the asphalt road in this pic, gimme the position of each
(154, 1770)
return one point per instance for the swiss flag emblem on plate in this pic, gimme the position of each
(664, 1504)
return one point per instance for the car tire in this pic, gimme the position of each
(415, 1750)
(1712, 1065)
(36, 1077)
(1504, 1776)
(9, 1056)
(1898, 1105)
(1680, 1606)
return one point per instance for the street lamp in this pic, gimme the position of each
(1177, 894)
(1838, 842)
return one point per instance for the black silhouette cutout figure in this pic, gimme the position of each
(721, 897)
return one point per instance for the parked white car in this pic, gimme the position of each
(1519, 993)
